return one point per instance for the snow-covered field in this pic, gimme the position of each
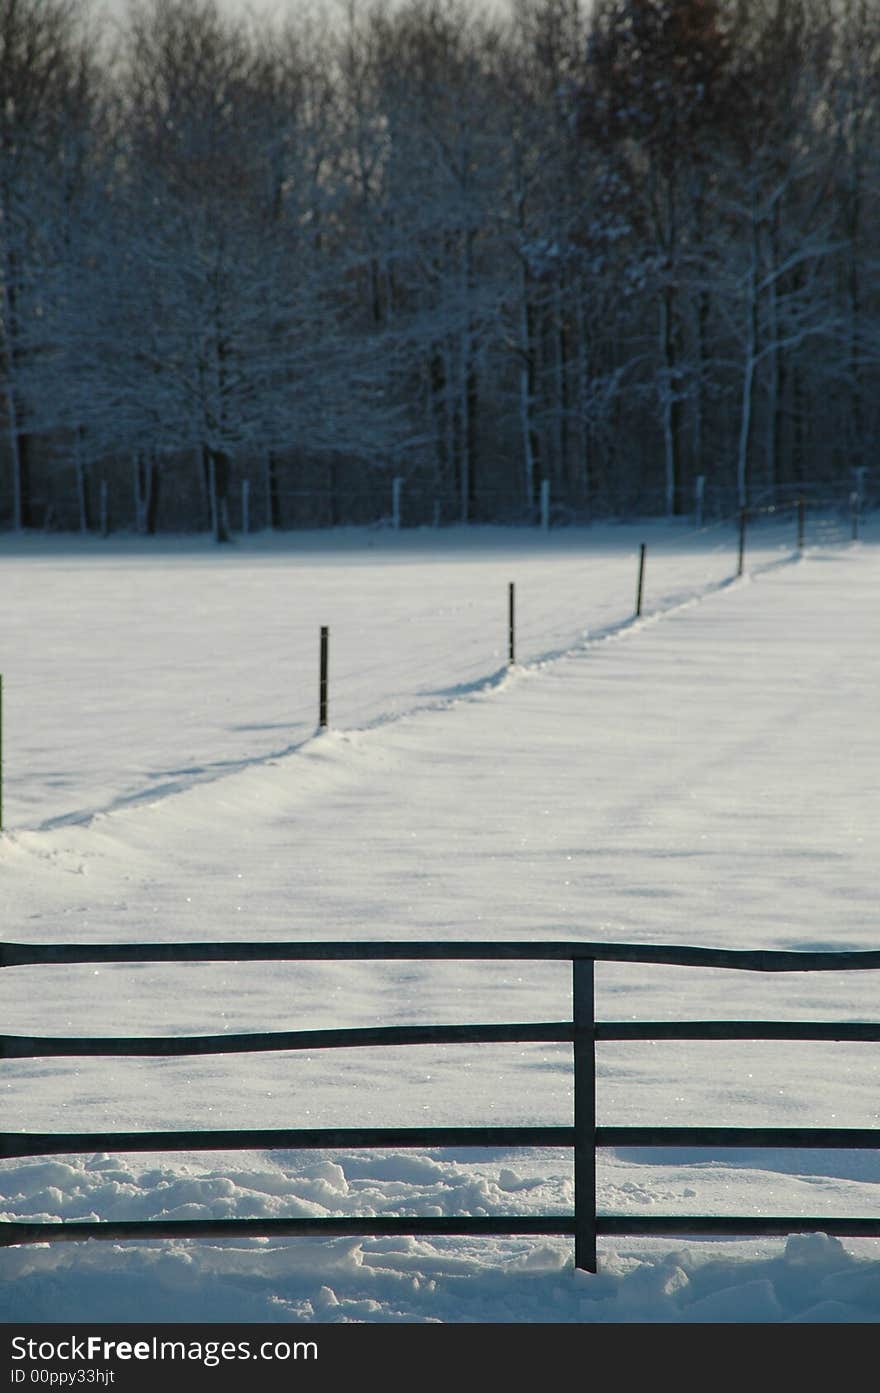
(704, 775)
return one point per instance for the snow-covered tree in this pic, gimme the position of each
(46, 91)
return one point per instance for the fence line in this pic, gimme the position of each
(582, 1030)
(797, 506)
(854, 510)
(411, 500)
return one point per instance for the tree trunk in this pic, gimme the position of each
(799, 426)
(471, 392)
(273, 502)
(567, 469)
(217, 469)
(583, 386)
(668, 406)
(854, 298)
(23, 513)
(146, 492)
(82, 482)
(698, 417)
(775, 366)
(333, 512)
(437, 392)
(527, 390)
(464, 430)
(748, 378)
(19, 442)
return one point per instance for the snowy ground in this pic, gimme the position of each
(705, 775)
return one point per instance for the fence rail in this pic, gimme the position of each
(584, 1137)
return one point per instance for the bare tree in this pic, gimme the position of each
(46, 77)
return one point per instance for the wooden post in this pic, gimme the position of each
(104, 513)
(854, 514)
(641, 585)
(584, 1115)
(801, 514)
(245, 506)
(511, 625)
(545, 505)
(322, 685)
(743, 516)
(396, 486)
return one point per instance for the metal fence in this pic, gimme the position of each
(582, 1030)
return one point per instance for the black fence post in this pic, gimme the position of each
(641, 585)
(511, 625)
(322, 685)
(743, 518)
(801, 518)
(584, 1013)
(854, 514)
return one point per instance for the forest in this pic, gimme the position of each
(422, 263)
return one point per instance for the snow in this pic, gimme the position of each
(702, 775)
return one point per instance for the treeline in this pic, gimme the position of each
(257, 272)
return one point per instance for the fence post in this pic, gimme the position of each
(396, 486)
(545, 505)
(245, 506)
(641, 585)
(584, 1016)
(511, 624)
(104, 510)
(322, 687)
(854, 514)
(801, 515)
(743, 517)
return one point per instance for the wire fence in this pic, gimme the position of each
(395, 649)
(256, 503)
